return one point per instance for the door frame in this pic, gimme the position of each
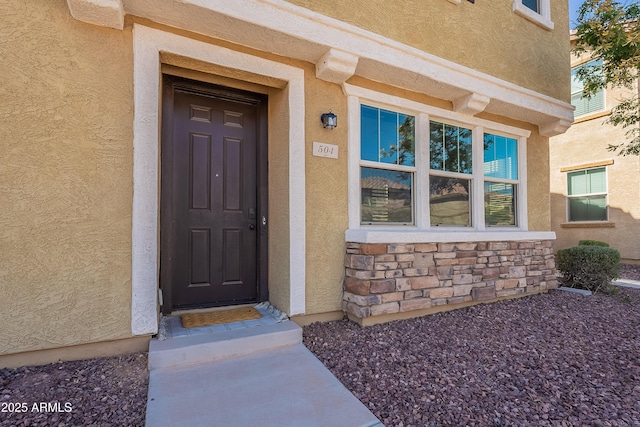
(169, 85)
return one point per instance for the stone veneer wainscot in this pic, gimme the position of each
(389, 278)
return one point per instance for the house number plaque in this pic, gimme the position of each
(325, 150)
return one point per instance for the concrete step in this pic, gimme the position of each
(189, 350)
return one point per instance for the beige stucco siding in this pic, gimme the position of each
(65, 174)
(66, 153)
(326, 186)
(487, 36)
(538, 200)
(586, 143)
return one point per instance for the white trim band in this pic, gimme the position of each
(296, 32)
(363, 235)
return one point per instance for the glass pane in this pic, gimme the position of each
(576, 83)
(406, 140)
(500, 157)
(585, 105)
(577, 183)
(532, 4)
(386, 196)
(499, 204)
(369, 133)
(450, 148)
(587, 181)
(436, 145)
(597, 180)
(387, 136)
(591, 208)
(449, 201)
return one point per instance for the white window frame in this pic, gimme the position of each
(541, 18)
(394, 167)
(605, 194)
(516, 182)
(421, 230)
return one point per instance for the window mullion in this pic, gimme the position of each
(422, 171)
(477, 207)
(521, 193)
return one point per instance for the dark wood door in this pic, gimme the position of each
(212, 212)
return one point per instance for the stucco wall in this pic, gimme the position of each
(66, 157)
(538, 198)
(586, 143)
(326, 196)
(487, 36)
(65, 169)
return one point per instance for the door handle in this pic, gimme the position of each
(252, 227)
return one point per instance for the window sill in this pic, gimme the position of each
(593, 224)
(532, 16)
(591, 116)
(404, 235)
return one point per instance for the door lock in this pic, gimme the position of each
(252, 227)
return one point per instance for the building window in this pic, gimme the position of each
(450, 159)
(448, 175)
(585, 105)
(537, 11)
(501, 180)
(587, 195)
(387, 166)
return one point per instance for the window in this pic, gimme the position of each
(585, 105)
(450, 156)
(387, 154)
(587, 194)
(449, 176)
(537, 11)
(501, 179)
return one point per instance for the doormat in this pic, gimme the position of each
(193, 320)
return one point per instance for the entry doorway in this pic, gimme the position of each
(213, 210)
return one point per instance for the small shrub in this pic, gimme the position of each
(591, 267)
(593, 243)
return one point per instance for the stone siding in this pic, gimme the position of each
(388, 278)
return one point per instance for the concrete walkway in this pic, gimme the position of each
(258, 376)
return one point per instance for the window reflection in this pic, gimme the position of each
(499, 204)
(386, 196)
(449, 201)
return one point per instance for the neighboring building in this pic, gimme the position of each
(595, 193)
(158, 156)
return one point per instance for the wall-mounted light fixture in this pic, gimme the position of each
(329, 120)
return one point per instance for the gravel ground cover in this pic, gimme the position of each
(554, 359)
(97, 393)
(628, 271)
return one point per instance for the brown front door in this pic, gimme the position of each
(211, 215)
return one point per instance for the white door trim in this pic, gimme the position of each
(148, 44)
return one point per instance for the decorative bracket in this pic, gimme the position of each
(104, 13)
(336, 66)
(554, 128)
(471, 104)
